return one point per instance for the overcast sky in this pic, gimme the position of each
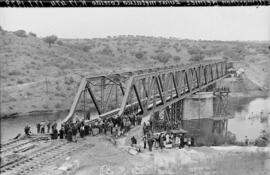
(209, 23)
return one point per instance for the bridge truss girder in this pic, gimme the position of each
(146, 91)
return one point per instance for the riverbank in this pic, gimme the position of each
(33, 113)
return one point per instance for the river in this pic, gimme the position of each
(246, 121)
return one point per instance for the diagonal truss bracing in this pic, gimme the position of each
(146, 91)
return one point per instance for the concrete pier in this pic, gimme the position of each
(199, 106)
(199, 117)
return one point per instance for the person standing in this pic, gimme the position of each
(48, 126)
(133, 141)
(55, 133)
(192, 141)
(38, 127)
(144, 141)
(82, 133)
(86, 129)
(74, 133)
(54, 125)
(69, 134)
(246, 140)
(161, 141)
(182, 141)
(167, 138)
(42, 127)
(177, 140)
(27, 130)
(150, 143)
(144, 128)
(61, 133)
(189, 141)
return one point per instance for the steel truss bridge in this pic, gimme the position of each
(146, 91)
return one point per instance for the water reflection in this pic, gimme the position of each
(251, 120)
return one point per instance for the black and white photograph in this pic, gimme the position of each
(135, 91)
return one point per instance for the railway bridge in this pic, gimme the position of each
(154, 92)
(147, 91)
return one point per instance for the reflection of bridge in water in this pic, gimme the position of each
(151, 91)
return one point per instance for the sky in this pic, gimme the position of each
(206, 23)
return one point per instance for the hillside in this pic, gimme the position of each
(36, 77)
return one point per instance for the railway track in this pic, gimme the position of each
(15, 145)
(42, 157)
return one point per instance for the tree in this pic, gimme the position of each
(20, 33)
(50, 39)
(32, 34)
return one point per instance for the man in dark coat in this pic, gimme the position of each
(61, 133)
(27, 130)
(74, 133)
(161, 141)
(69, 134)
(150, 143)
(133, 141)
(144, 141)
(38, 127)
(86, 129)
(48, 126)
(55, 133)
(82, 131)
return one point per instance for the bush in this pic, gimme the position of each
(45, 106)
(57, 105)
(162, 57)
(28, 93)
(69, 80)
(230, 138)
(20, 33)
(139, 55)
(20, 82)
(176, 58)
(197, 57)
(106, 51)
(50, 39)
(60, 43)
(193, 51)
(1, 29)
(86, 48)
(32, 34)
(14, 72)
(263, 139)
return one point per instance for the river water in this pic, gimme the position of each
(251, 116)
(246, 121)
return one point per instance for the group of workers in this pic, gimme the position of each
(162, 140)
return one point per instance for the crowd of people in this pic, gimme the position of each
(116, 127)
(69, 130)
(163, 139)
